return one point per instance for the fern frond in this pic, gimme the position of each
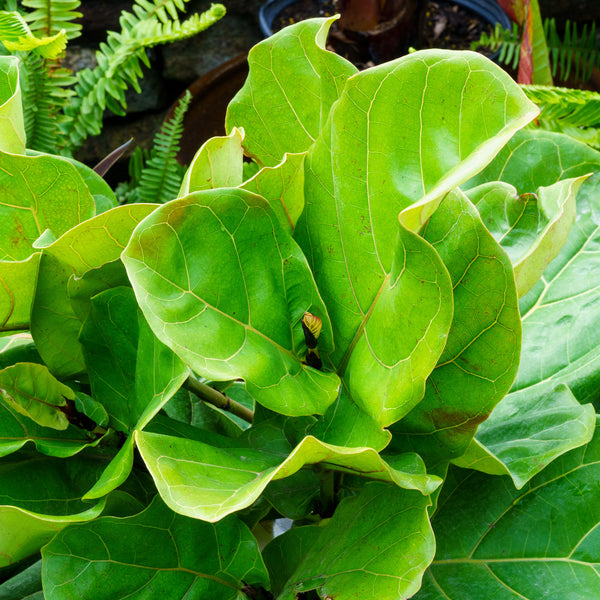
(567, 106)
(508, 41)
(579, 49)
(121, 57)
(45, 94)
(16, 36)
(160, 179)
(49, 17)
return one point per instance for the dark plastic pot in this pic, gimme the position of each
(487, 9)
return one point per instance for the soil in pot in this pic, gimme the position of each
(440, 24)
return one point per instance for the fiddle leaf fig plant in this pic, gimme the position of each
(355, 357)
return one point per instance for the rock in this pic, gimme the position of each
(189, 59)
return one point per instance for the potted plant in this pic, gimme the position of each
(378, 31)
(379, 329)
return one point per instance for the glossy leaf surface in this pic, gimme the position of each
(526, 432)
(383, 554)
(207, 482)
(54, 323)
(302, 100)
(481, 355)
(154, 553)
(225, 288)
(531, 228)
(494, 541)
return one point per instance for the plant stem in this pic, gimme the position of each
(327, 489)
(218, 399)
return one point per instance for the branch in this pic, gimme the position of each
(218, 399)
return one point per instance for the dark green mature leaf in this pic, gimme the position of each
(16, 430)
(531, 228)
(131, 372)
(90, 245)
(564, 302)
(38, 497)
(302, 99)
(154, 554)
(207, 482)
(494, 541)
(481, 355)
(383, 554)
(226, 288)
(31, 390)
(109, 338)
(526, 432)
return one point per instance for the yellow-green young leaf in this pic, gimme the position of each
(481, 355)
(218, 163)
(12, 126)
(531, 228)
(286, 98)
(494, 541)
(90, 245)
(17, 290)
(376, 545)
(31, 390)
(38, 193)
(401, 136)
(283, 187)
(225, 287)
(206, 482)
(153, 554)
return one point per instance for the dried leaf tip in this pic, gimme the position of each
(312, 325)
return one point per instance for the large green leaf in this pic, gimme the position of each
(560, 339)
(154, 554)
(38, 193)
(207, 482)
(532, 228)
(283, 187)
(380, 157)
(31, 390)
(494, 541)
(17, 291)
(377, 545)
(12, 127)
(38, 497)
(481, 355)
(131, 373)
(226, 288)
(90, 245)
(16, 430)
(217, 164)
(526, 432)
(287, 96)
(536, 158)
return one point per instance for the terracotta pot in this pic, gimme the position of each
(211, 93)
